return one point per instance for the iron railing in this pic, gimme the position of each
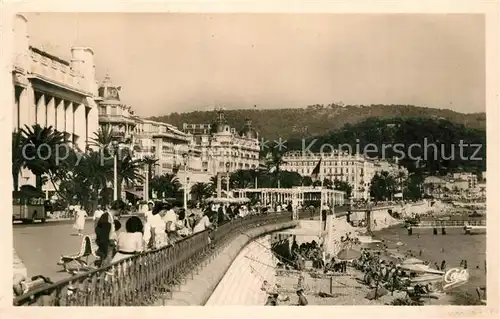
(142, 278)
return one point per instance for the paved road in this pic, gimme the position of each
(40, 246)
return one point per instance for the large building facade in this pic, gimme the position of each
(50, 91)
(356, 170)
(173, 148)
(223, 148)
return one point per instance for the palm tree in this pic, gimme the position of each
(167, 185)
(103, 139)
(201, 191)
(129, 171)
(241, 179)
(151, 162)
(274, 163)
(43, 144)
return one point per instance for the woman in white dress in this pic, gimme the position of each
(155, 229)
(80, 215)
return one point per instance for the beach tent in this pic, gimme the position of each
(348, 254)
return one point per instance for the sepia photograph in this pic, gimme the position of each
(248, 159)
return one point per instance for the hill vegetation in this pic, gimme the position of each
(320, 119)
(422, 145)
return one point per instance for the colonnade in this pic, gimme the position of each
(35, 107)
(294, 195)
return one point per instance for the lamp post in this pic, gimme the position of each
(256, 177)
(185, 158)
(146, 184)
(228, 166)
(115, 171)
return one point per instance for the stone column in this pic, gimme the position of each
(79, 125)
(60, 115)
(51, 112)
(41, 110)
(15, 109)
(68, 123)
(27, 107)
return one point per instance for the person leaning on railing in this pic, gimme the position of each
(105, 239)
(131, 241)
(155, 229)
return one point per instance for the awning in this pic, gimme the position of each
(135, 193)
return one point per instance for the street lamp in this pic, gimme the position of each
(185, 159)
(228, 166)
(115, 170)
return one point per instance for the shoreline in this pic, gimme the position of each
(464, 295)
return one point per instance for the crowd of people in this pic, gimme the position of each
(163, 224)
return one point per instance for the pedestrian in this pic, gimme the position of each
(443, 265)
(80, 215)
(97, 214)
(105, 239)
(155, 229)
(131, 241)
(182, 226)
(170, 219)
(302, 298)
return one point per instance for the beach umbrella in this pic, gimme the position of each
(412, 261)
(348, 254)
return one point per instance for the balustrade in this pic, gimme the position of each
(139, 280)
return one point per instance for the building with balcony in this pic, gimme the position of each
(115, 115)
(337, 165)
(51, 91)
(147, 138)
(224, 148)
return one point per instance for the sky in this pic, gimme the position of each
(180, 62)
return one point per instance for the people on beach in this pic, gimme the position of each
(302, 298)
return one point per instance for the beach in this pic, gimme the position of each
(452, 247)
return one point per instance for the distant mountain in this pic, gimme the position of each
(320, 119)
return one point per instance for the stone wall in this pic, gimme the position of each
(197, 289)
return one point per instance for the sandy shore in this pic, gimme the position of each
(346, 290)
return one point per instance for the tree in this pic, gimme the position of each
(103, 140)
(343, 186)
(166, 185)
(129, 171)
(42, 146)
(327, 183)
(382, 186)
(274, 163)
(201, 191)
(241, 179)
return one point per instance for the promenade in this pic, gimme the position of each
(145, 278)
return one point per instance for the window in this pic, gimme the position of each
(113, 110)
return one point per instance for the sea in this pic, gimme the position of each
(452, 247)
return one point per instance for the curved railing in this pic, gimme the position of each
(141, 279)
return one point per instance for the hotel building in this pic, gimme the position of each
(354, 169)
(51, 91)
(222, 147)
(147, 138)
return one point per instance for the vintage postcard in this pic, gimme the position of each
(238, 157)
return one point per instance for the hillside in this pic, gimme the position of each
(409, 139)
(319, 119)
